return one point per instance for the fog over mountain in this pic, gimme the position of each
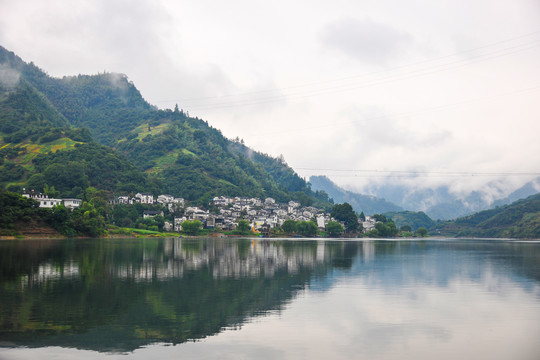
(341, 85)
(443, 202)
(361, 203)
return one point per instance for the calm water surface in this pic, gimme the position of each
(269, 299)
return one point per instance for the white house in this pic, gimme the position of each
(195, 213)
(165, 199)
(222, 201)
(255, 202)
(178, 223)
(151, 213)
(46, 202)
(72, 203)
(293, 204)
(368, 224)
(123, 199)
(167, 226)
(321, 223)
(280, 212)
(177, 204)
(145, 198)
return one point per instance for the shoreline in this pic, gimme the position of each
(227, 236)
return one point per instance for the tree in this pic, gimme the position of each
(51, 191)
(386, 229)
(289, 226)
(243, 226)
(87, 220)
(59, 218)
(392, 229)
(65, 177)
(14, 208)
(422, 232)
(191, 227)
(306, 228)
(333, 228)
(344, 212)
(159, 221)
(98, 199)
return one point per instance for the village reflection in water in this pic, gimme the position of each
(120, 295)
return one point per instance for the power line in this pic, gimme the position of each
(414, 173)
(353, 86)
(405, 113)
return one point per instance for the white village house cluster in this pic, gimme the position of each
(262, 215)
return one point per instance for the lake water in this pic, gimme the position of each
(269, 299)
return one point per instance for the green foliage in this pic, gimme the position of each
(101, 312)
(65, 177)
(15, 208)
(25, 112)
(344, 212)
(406, 228)
(85, 220)
(422, 232)
(173, 152)
(306, 228)
(387, 229)
(384, 227)
(87, 165)
(191, 227)
(88, 221)
(153, 223)
(411, 218)
(61, 219)
(520, 219)
(243, 226)
(333, 228)
(289, 226)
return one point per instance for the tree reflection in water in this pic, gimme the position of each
(118, 295)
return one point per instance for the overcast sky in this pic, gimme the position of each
(440, 87)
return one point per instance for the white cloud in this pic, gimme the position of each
(303, 79)
(9, 77)
(365, 40)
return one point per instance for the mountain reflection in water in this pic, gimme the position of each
(120, 295)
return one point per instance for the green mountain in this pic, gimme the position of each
(520, 219)
(413, 219)
(97, 130)
(361, 203)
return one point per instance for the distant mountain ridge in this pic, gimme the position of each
(521, 219)
(368, 204)
(438, 203)
(441, 203)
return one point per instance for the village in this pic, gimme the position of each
(223, 213)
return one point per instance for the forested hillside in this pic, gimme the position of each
(520, 219)
(97, 130)
(413, 219)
